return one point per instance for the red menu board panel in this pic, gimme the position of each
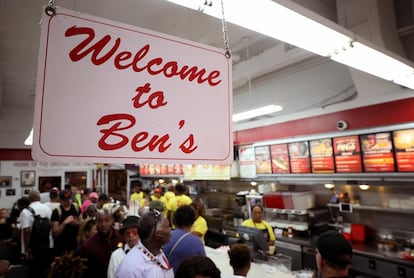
(280, 159)
(299, 157)
(347, 152)
(263, 162)
(322, 156)
(377, 152)
(404, 149)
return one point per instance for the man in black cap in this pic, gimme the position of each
(130, 231)
(65, 224)
(333, 254)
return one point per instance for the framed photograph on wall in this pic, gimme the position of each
(26, 191)
(27, 178)
(11, 192)
(47, 183)
(6, 181)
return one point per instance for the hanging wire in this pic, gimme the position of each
(50, 9)
(225, 32)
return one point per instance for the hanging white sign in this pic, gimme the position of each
(111, 92)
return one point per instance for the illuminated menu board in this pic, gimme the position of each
(299, 157)
(263, 163)
(206, 172)
(280, 159)
(377, 152)
(247, 162)
(160, 169)
(347, 152)
(322, 156)
(404, 149)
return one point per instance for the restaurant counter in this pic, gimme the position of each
(258, 269)
(360, 248)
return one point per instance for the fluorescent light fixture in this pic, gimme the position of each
(268, 109)
(329, 185)
(276, 21)
(289, 22)
(253, 183)
(364, 186)
(29, 139)
(369, 60)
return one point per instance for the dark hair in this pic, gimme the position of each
(257, 206)
(239, 255)
(147, 223)
(180, 188)
(198, 206)
(197, 265)
(184, 216)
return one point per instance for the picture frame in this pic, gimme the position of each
(26, 191)
(47, 183)
(11, 192)
(6, 181)
(27, 178)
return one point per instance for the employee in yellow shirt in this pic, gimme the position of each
(257, 222)
(137, 195)
(199, 227)
(179, 200)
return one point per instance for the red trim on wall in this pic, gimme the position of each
(389, 113)
(15, 154)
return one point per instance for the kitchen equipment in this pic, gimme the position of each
(358, 232)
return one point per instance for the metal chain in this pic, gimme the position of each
(225, 32)
(50, 9)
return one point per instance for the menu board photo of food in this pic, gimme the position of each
(247, 162)
(322, 156)
(377, 152)
(347, 152)
(263, 162)
(299, 157)
(280, 159)
(404, 149)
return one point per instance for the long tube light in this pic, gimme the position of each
(257, 112)
(291, 23)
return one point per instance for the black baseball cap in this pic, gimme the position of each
(65, 195)
(130, 221)
(333, 247)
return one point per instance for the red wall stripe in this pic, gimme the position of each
(388, 113)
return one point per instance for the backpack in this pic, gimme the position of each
(39, 236)
(59, 210)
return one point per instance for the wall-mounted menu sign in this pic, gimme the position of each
(404, 149)
(299, 157)
(347, 153)
(322, 156)
(263, 162)
(280, 159)
(160, 169)
(377, 152)
(206, 172)
(247, 162)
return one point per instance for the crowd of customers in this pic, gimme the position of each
(101, 239)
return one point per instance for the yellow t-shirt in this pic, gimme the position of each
(169, 195)
(262, 226)
(200, 226)
(137, 196)
(177, 202)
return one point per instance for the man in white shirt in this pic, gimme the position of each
(130, 231)
(39, 263)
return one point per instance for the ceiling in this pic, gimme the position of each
(265, 70)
